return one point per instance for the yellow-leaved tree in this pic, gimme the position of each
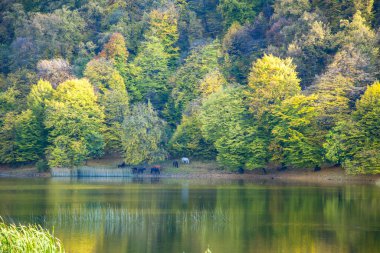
(75, 122)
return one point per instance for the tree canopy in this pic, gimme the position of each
(253, 84)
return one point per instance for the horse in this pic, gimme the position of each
(175, 164)
(122, 165)
(134, 170)
(140, 170)
(155, 170)
(185, 160)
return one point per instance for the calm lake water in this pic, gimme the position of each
(151, 215)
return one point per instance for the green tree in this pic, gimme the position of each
(368, 111)
(99, 73)
(358, 33)
(163, 24)
(40, 94)
(75, 123)
(335, 11)
(187, 79)
(144, 135)
(8, 102)
(291, 20)
(225, 122)
(355, 142)
(344, 141)
(116, 106)
(241, 46)
(150, 73)
(46, 36)
(190, 28)
(333, 99)
(357, 59)
(20, 81)
(186, 140)
(354, 65)
(8, 149)
(271, 81)
(116, 52)
(113, 97)
(19, 138)
(213, 82)
(241, 11)
(296, 138)
(313, 49)
(220, 111)
(291, 8)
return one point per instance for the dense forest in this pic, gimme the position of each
(250, 83)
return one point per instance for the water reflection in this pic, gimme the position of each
(166, 215)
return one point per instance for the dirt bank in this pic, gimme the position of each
(21, 172)
(326, 176)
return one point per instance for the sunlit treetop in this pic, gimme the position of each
(115, 49)
(271, 80)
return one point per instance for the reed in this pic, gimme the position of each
(30, 238)
(85, 171)
(90, 217)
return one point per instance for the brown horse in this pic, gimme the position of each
(156, 169)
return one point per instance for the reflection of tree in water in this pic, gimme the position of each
(114, 222)
(239, 218)
(31, 201)
(180, 216)
(271, 219)
(142, 211)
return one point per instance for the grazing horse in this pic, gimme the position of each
(140, 170)
(122, 165)
(175, 164)
(185, 160)
(155, 170)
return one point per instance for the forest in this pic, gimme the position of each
(248, 83)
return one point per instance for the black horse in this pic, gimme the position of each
(155, 170)
(140, 170)
(134, 170)
(122, 165)
(175, 164)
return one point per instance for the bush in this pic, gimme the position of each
(42, 165)
(31, 238)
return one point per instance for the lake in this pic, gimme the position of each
(167, 215)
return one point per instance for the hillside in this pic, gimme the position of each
(291, 83)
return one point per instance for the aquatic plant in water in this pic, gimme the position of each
(30, 238)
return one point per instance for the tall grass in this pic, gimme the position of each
(123, 219)
(31, 238)
(85, 171)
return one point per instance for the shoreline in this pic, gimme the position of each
(327, 176)
(204, 170)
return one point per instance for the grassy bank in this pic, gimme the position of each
(31, 238)
(211, 169)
